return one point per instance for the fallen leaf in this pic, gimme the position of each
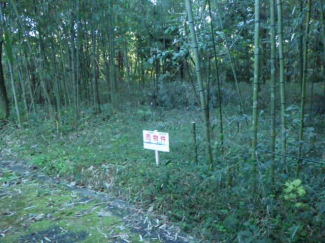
(47, 239)
(151, 208)
(72, 184)
(104, 214)
(40, 217)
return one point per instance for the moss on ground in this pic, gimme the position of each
(33, 211)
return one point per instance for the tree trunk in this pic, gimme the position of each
(4, 101)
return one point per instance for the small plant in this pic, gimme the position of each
(144, 113)
(6, 176)
(293, 191)
(39, 160)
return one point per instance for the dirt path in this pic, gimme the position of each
(37, 208)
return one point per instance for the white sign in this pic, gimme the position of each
(155, 140)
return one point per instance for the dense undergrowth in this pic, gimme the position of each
(105, 152)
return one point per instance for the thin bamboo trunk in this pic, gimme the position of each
(66, 94)
(112, 56)
(14, 91)
(312, 81)
(232, 64)
(44, 87)
(29, 86)
(256, 80)
(94, 64)
(323, 38)
(57, 93)
(303, 92)
(23, 92)
(10, 59)
(13, 4)
(273, 90)
(127, 67)
(4, 101)
(301, 44)
(221, 136)
(38, 64)
(73, 65)
(282, 83)
(200, 84)
(78, 61)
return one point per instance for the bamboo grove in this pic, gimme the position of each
(59, 56)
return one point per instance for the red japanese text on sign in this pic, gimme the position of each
(155, 140)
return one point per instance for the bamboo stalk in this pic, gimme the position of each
(303, 92)
(200, 84)
(218, 83)
(282, 82)
(194, 142)
(273, 90)
(256, 79)
(241, 103)
(323, 37)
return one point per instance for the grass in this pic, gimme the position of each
(105, 152)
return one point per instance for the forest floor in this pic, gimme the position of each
(38, 208)
(74, 173)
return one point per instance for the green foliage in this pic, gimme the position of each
(176, 95)
(293, 191)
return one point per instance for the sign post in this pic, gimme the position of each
(157, 141)
(157, 157)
